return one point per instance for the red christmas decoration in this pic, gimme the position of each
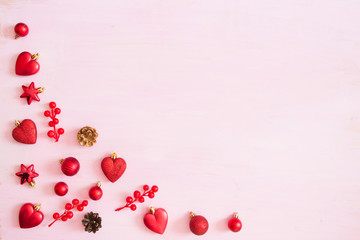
(139, 197)
(27, 174)
(61, 189)
(113, 167)
(198, 224)
(68, 214)
(26, 64)
(95, 193)
(31, 93)
(54, 111)
(30, 215)
(234, 223)
(70, 166)
(156, 220)
(21, 30)
(25, 132)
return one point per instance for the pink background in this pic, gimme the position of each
(248, 106)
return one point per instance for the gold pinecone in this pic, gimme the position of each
(87, 136)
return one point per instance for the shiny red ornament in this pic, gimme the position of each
(31, 93)
(198, 224)
(70, 166)
(61, 189)
(25, 132)
(30, 216)
(234, 223)
(54, 121)
(27, 174)
(21, 30)
(26, 64)
(156, 220)
(95, 193)
(68, 214)
(113, 167)
(130, 201)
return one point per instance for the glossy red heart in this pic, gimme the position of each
(26, 64)
(157, 220)
(113, 168)
(30, 217)
(25, 132)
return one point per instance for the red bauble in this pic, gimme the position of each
(113, 167)
(61, 188)
(21, 30)
(25, 132)
(234, 223)
(26, 64)
(198, 224)
(156, 220)
(30, 216)
(95, 193)
(70, 166)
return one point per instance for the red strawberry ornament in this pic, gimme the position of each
(30, 216)
(25, 132)
(156, 220)
(113, 167)
(26, 64)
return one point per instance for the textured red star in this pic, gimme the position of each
(27, 173)
(30, 93)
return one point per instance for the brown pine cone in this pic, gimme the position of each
(87, 136)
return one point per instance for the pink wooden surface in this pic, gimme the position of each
(248, 106)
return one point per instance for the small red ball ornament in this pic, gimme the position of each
(95, 193)
(21, 30)
(198, 224)
(70, 166)
(234, 223)
(61, 188)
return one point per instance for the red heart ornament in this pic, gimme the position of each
(113, 167)
(156, 220)
(30, 216)
(26, 64)
(25, 132)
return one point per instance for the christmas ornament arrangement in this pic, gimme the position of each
(113, 167)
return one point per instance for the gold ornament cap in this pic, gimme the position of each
(152, 210)
(192, 214)
(113, 156)
(35, 56)
(32, 183)
(37, 207)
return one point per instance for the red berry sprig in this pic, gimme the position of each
(68, 214)
(54, 121)
(139, 197)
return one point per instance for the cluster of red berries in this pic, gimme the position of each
(68, 214)
(139, 197)
(54, 121)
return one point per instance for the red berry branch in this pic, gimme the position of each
(139, 197)
(54, 121)
(68, 214)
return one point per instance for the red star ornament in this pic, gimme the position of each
(31, 93)
(27, 174)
